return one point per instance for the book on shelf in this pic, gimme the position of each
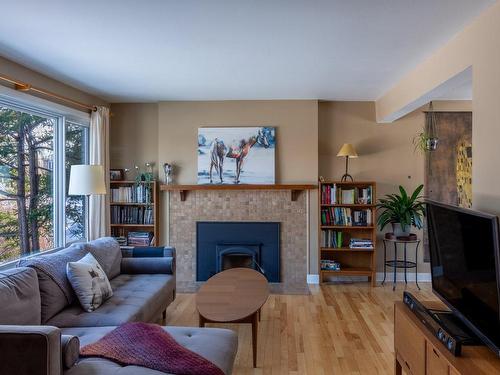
(362, 218)
(140, 193)
(361, 243)
(333, 194)
(329, 194)
(132, 215)
(331, 238)
(344, 216)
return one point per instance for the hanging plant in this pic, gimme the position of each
(427, 140)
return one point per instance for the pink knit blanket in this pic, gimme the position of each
(149, 345)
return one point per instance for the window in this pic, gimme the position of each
(76, 150)
(37, 149)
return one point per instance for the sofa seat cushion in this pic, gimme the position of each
(136, 298)
(217, 345)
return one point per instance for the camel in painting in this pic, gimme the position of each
(240, 152)
(217, 151)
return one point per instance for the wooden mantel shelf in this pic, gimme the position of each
(294, 188)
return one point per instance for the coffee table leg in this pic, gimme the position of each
(259, 314)
(201, 320)
(255, 324)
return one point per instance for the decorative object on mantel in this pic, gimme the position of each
(234, 155)
(168, 169)
(349, 152)
(402, 211)
(295, 189)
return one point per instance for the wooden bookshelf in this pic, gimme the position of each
(353, 261)
(122, 229)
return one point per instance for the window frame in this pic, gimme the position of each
(61, 115)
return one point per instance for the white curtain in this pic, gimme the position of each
(99, 155)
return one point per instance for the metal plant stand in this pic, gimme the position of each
(405, 264)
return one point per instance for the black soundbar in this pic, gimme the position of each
(448, 329)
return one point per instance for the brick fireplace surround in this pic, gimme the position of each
(241, 205)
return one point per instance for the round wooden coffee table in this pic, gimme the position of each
(233, 296)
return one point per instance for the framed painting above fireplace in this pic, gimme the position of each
(236, 155)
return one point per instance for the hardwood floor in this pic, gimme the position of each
(338, 329)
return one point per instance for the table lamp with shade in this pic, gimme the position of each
(87, 180)
(347, 150)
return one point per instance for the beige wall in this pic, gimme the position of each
(167, 132)
(477, 46)
(309, 135)
(386, 151)
(21, 73)
(134, 135)
(296, 133)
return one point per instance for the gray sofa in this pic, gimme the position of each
(42, 328)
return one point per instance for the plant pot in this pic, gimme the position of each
(431, 143)
(399, 231)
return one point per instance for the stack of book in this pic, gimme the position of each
(131, 215)
(331, 238)
(139, 238)
(361, 243)
(330, 265)
(140, 193)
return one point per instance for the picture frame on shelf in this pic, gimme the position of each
(116, 174)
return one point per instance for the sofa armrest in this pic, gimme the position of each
(30, 350)
(148, 252)
(70, 350)
(135, 266)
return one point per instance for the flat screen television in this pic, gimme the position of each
(465, 267)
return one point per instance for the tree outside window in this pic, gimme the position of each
(27, 192)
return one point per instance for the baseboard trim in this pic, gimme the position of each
(312, 279)
(424, 277)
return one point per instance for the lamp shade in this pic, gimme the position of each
(86, 180)
(347, 150)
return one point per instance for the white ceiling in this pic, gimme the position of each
(132, 50)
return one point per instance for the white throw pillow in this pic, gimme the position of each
(89, 282)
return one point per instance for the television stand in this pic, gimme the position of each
(419, 352)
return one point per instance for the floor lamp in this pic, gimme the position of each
(87, 180)
(348, 151)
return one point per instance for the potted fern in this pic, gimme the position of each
(402, 211)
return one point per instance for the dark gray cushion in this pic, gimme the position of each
(55, 290)
(135, 298)
(137, 266)
(107, 252)
(217, 345)
(19, 297)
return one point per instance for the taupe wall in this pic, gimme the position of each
(134, 135)
(386, 151)
(172, 129)
(475, 46)
(19, 72)
(309, 135)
